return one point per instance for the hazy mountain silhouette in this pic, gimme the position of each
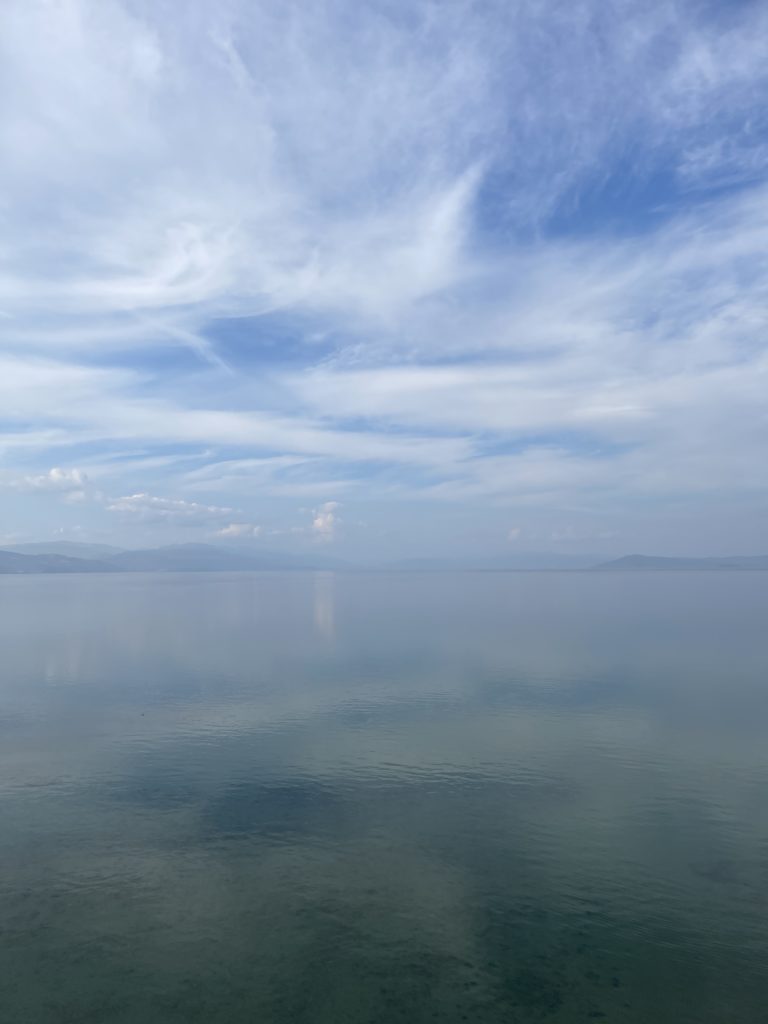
(208, 558)
(646, 562)
(521, 561)
(68, 548)
(73, 557)
(13, 562)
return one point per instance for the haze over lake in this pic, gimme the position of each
(318, 797)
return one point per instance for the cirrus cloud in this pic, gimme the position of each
(525, 268)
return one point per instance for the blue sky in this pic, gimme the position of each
(389, 278)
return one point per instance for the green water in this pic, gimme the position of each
(377, 798)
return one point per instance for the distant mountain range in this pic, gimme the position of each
(71, 557)
(14, 562)
(640, 563)
(67, 548)
(522, 561)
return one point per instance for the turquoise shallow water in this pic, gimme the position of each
(377, 798)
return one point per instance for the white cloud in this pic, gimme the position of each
(175, 511)
(325, 521)
(234, 530)
(76, 497)
(70, 481)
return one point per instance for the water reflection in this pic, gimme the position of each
(344, 798)
(324, 606)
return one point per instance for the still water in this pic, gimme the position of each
(376, 798)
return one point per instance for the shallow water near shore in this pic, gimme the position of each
(372, 798)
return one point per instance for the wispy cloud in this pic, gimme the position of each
(176, 511)
(55, 479)
(472, 255)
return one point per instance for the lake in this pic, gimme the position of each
(371, 798)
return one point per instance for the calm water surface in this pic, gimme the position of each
(315, 798)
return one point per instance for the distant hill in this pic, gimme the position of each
(13, 562)
(656, 562)
(41, 558)
(212, 558)
(71, 557)
(201, 558)
(68, 548)
(532, 561)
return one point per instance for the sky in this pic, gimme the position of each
(387, 279)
